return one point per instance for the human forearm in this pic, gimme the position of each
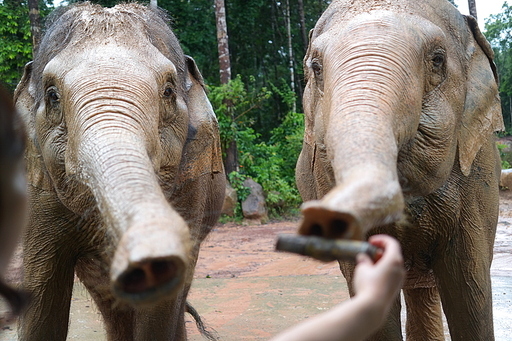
(351, 320)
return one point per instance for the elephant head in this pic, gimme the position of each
(118, 123)
(399, 95)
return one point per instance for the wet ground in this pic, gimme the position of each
(246, 291)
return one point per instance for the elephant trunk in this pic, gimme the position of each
(110, 153)
(366, 88)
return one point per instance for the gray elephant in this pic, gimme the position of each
(124, 169)
(401, 104)
(13, 193)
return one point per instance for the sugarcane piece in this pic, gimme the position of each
(326, 250)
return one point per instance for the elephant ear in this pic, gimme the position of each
(24, 100)
(482, 108)
(202, 154)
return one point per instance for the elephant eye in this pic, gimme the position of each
(317, 67)
(53, 105)
(438, 60)
(53, 96)
(168, 92)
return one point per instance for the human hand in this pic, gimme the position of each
(380, 282)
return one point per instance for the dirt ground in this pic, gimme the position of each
(244, 290)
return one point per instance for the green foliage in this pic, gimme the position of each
(270, 162)
(16, 42)
(16, 39)
(233, 103)
(498, 30)
(505, 164)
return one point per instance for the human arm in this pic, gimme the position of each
(376, 285)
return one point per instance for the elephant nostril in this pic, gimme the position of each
(134, 281)
(148, 276)
(338, 228)
(316, 230)
(163, 270)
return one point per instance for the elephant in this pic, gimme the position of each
(401, 105)
(13, 193)
(125, 177)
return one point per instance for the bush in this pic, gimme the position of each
(270, 163)
(505, 164)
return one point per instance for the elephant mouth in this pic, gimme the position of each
(149, 281)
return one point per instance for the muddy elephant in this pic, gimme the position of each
(401, 106)
(124, 170)
(13, 193)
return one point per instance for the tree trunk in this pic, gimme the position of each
(302, 19)
(153, 3)
(231, 160)
(222, 42)
(472, 8)
(290, 50)
(35, 26)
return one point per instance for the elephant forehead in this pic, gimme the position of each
(111, 60)
(408, 25)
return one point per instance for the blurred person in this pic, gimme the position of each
(12, 193)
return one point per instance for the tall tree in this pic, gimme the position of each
(291, 63)
(15, 41)
(35, 23)
(222, 42)
(472, 8)
(302, 22)
(498, 30)
(231, 158)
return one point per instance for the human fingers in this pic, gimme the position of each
(392, 251)
(385, 277)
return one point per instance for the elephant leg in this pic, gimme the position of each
(118, 318)
(465, 290)
(48, 277)
(392, 328)
(424, 315)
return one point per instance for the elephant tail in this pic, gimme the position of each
(207, 332)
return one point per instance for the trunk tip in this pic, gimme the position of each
(323, 222)
(149, 280)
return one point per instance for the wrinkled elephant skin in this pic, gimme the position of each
(124, 169)
(401, 105)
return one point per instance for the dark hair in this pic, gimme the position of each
(11, 133)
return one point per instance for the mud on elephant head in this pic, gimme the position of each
(124, 161)
(396, 94)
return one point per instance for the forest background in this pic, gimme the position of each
(259, 108)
